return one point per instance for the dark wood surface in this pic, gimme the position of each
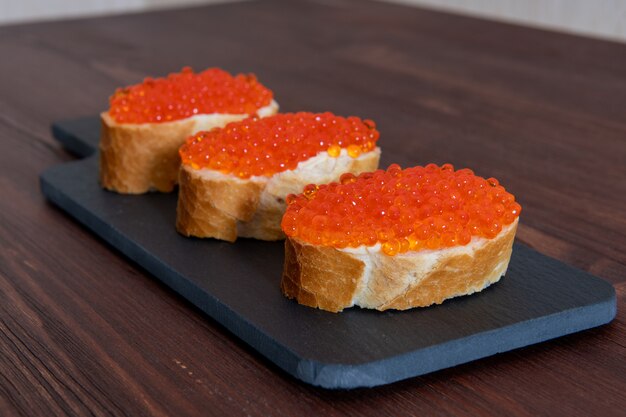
(85, 332)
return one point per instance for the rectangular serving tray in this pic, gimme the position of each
(238, 285)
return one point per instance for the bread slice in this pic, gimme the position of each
(137, 158)
(223, 206)
(397, 239)
(333, 279)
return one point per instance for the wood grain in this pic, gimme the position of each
(85, 332)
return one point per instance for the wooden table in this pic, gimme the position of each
(85, 332)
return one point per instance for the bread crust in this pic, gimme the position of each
(211, 204)
(333, 279)
(137, 158)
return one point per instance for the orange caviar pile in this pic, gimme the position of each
(185, 94)
(416, 208)
(265, 146)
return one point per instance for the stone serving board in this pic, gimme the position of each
(238, 285)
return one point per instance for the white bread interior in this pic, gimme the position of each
(137, 158)
(223, 206)
(333, 279)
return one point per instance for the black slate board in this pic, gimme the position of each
(238, 285)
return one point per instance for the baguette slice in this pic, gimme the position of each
(397, 239)
(234, 181)
(223, 206)
(137, 158)
(333, 279)
(148, 122)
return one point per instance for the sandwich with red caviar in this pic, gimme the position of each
(397, 239)
(234, 180)
(147, 123)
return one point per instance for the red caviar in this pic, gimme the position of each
(265, 146)
(416, 208)
(185, 94)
